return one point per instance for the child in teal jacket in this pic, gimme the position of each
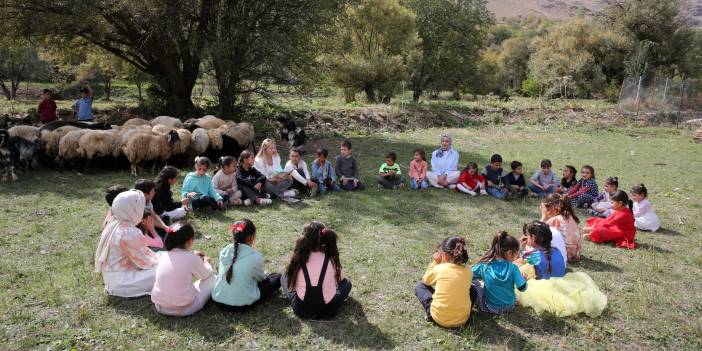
(198, 190)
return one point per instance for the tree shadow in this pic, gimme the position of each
(654, 248)
(594, 265)
(351, 328)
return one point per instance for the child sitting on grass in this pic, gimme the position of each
(164, 205)
(618, 228)
(251, 181)
(496, 277)
(198, 191)
(569, 179)
(514, 181)
(153, 240)
(470, 182)
(558, 213)
(224, 181)
(297, 168)
(174, 292)
(323, 173)
(493, 178)
(645, 217)
(110, 195)
(545, 259)
(444, 291)
(601, 206)
(314, 281)
(347, 168)
(390, 174)
(242, 283)
(418, 170)
(544, 181)
(149, 189)
(585, 191)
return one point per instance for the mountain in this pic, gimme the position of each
(562, 9)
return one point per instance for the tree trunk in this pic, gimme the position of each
(138, 84)
(5, 91)
(108, 88)
(370, 93)
(416, 94)
(456, 94)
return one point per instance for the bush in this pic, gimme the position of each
(530, 87)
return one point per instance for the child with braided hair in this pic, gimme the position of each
(496, 276)
(547, 261)
(444, 291)
(242, 283)
(315, 260)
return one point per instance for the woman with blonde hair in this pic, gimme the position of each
(277, 181)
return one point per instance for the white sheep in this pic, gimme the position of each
(50, 139)
(184, 139)
(161, 128)
(215, 136)
(68, 145)
(99, 143)
(243, 133)
(199, 143)
(167, 121)
(28, 133)
(136, 122)
(149, 147)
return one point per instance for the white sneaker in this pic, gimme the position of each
(483, 192)
(452, 186)
(248, 202)
(291, 200)
(471, 193)
(265, 202)
(291, 193)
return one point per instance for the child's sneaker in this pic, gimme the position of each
(248, 202)
(291, 200)
(452, 186)
(236, 202)
(471, 192)
(291, 193)
(264, 202)
(483, 192)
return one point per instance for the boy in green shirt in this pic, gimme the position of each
(390, 175)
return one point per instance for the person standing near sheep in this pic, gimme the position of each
(83, 107)
(47, 107)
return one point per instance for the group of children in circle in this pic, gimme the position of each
(149, 255)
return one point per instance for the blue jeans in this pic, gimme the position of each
(539, 192)
(496, 193)
(423, 185)
(327, 185)
(350, 187)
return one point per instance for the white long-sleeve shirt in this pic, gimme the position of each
(446, 163)
(292, 169)
(268, 170)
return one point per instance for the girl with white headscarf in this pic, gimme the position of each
(444, 165)
(127, 265)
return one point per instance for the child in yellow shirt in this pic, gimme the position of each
(444, 291)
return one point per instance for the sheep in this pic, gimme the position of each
(83, 125)
(199, 143)
(161, 128)
(136, 122)
(207, 122)
(100, 143)
(149, 147)
(126, 133)
(167, 121)
(243, 133)
(68, 146)
(215, 136)
(183, 143)
(7, 170)
(28, 133)
(24, 152)
(50, 139)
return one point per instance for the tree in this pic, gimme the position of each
(254, 43)
(102, 66)
(374, 37)
(165, 39)
(452, 33)
(514, 62)
(19, 61)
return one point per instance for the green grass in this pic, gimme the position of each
(52, 299)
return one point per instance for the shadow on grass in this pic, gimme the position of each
(664, 231)
(593, 265)
(657, 249)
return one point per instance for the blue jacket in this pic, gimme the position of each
(199, 184)
(499, 277)
(319, 171)
(247, 272)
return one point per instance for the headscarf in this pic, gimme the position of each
(440, 151)
(127, 208)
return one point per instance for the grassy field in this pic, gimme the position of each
(53, 300)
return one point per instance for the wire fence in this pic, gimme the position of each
(674, 100)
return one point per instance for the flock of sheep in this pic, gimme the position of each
(159, 140)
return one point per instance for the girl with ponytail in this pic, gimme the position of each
(197, 191)
(557, 211)
(242, 283)
(546, 259)
(224, 181)
(496, 277)
(314, 281)
(618, 228)
(444, 291)
(602, 207)
(174, 292)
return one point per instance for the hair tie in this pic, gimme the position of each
(324, 231)
(238, 227)
(169, 230)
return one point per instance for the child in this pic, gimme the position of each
(251, 181)
(547, 261)
(110, 195)
(153, 240)
(493, 177)
(164, 206)
(390, 174)
(47, 107)
(224, 181)
(347, 168)
(297, 168)
(543, 182)
(499, 276)
(558, 213)
(601, 206)
(278, 182)
(198, 191)
(174, 292)
(585, 191)
(470, 182)
(645, 216)
(418, 170)
(323, 173)
(618, 228)
(314, 282)
(444, 291)
(149, 189)
(83, 107)
(569, 179)
(242, 283)
(514, 181)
